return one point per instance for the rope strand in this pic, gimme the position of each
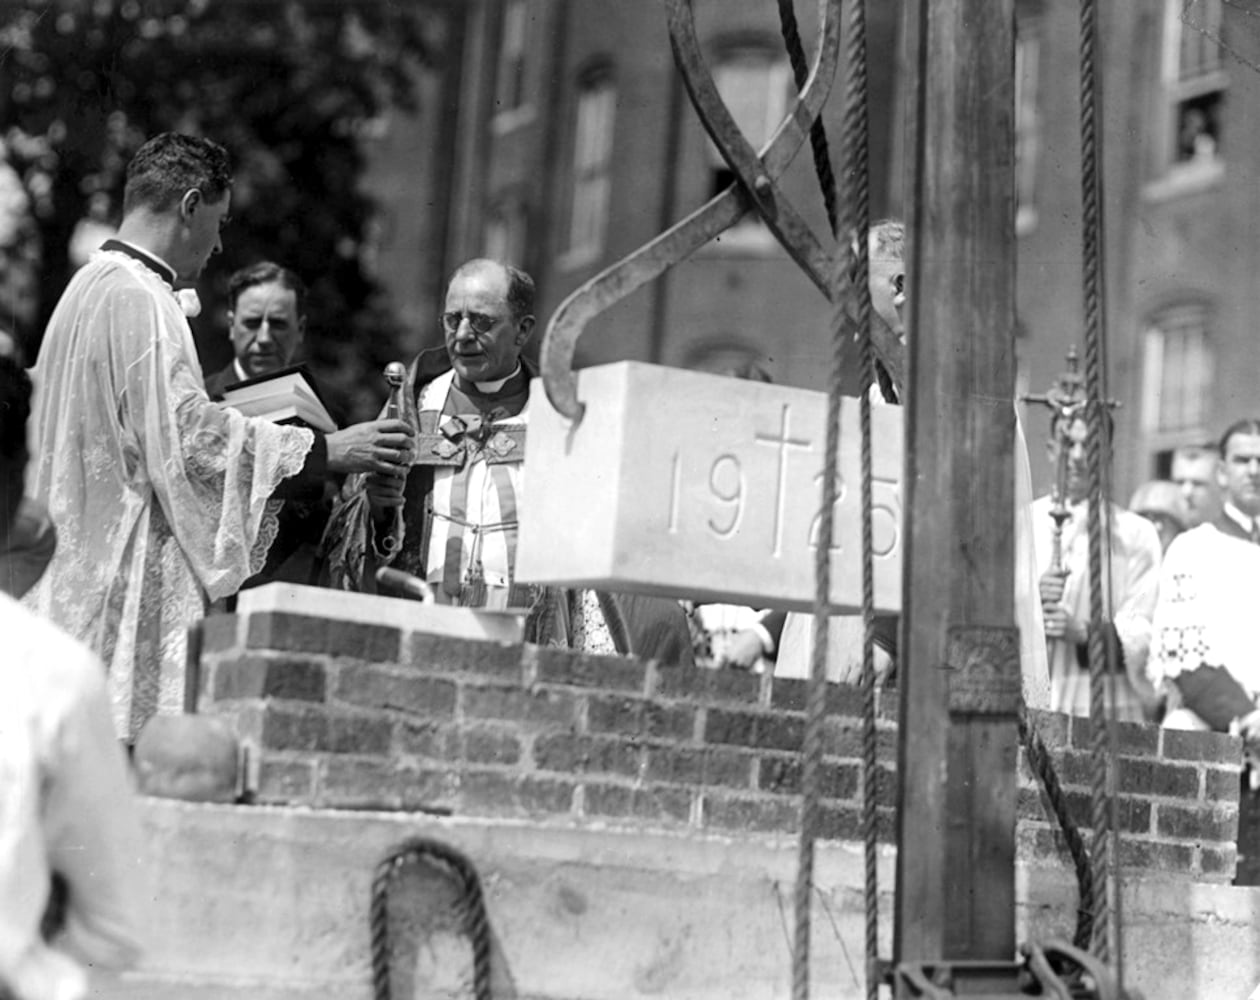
(475, 919)
(857, 222)
(1093, 263)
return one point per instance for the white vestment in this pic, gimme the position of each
(1207, 595)
(161, 498)
(1129, 593)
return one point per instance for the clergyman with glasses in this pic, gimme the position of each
(452, 521)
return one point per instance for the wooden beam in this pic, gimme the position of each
(955, 877)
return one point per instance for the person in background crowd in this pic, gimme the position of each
(1161, 503)
(160, 497)
(1203, 650)
(1203, 653)
(1195, 470)
(1129, 589)
(70, 897)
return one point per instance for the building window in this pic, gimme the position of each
(510, 103)
(755, 85)
(1178, 373)
(1027, 126)
(592, 162)
(505, 232)
(1194, 85)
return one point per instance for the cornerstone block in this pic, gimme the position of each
(684, 484)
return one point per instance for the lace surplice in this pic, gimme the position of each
(162, 499)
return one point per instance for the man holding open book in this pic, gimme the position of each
(266, 323)
(267, 327)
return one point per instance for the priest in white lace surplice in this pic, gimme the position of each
(161, 499)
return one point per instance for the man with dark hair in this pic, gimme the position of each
(266, 323)
(452, 521)
(1204, 650)
(68, 829)
(160, 497)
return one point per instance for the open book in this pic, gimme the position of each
(285, 396)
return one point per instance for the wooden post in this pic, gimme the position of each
(960, 680)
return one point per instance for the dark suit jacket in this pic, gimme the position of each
(220, 380)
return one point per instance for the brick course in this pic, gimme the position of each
(370, 717)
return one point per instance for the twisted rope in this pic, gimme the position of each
(857, 221)
(1042, 765)
(1095, 375)
(818, 144)
(475, 920)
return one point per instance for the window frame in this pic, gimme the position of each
(1174, 177)
(1181, 317)
(590, 165)
(512, 69)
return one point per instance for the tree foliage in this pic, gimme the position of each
(287, 86)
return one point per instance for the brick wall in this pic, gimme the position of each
(368, 717)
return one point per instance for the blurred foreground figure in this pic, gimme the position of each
(69, 893)
(162, 500)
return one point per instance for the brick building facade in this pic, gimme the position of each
(571, 143)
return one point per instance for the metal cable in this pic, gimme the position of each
(816, 702)
(1094, 298)
(475, 919)
(818, 144)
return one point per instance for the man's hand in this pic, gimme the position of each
(1059, 622)
(385, 490)
(1051, 586)
(743, 650)
(378, 446)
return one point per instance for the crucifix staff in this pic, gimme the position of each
(1067, 400)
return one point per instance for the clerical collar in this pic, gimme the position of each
(150, 260)
(1238, 517)
(489, 388)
